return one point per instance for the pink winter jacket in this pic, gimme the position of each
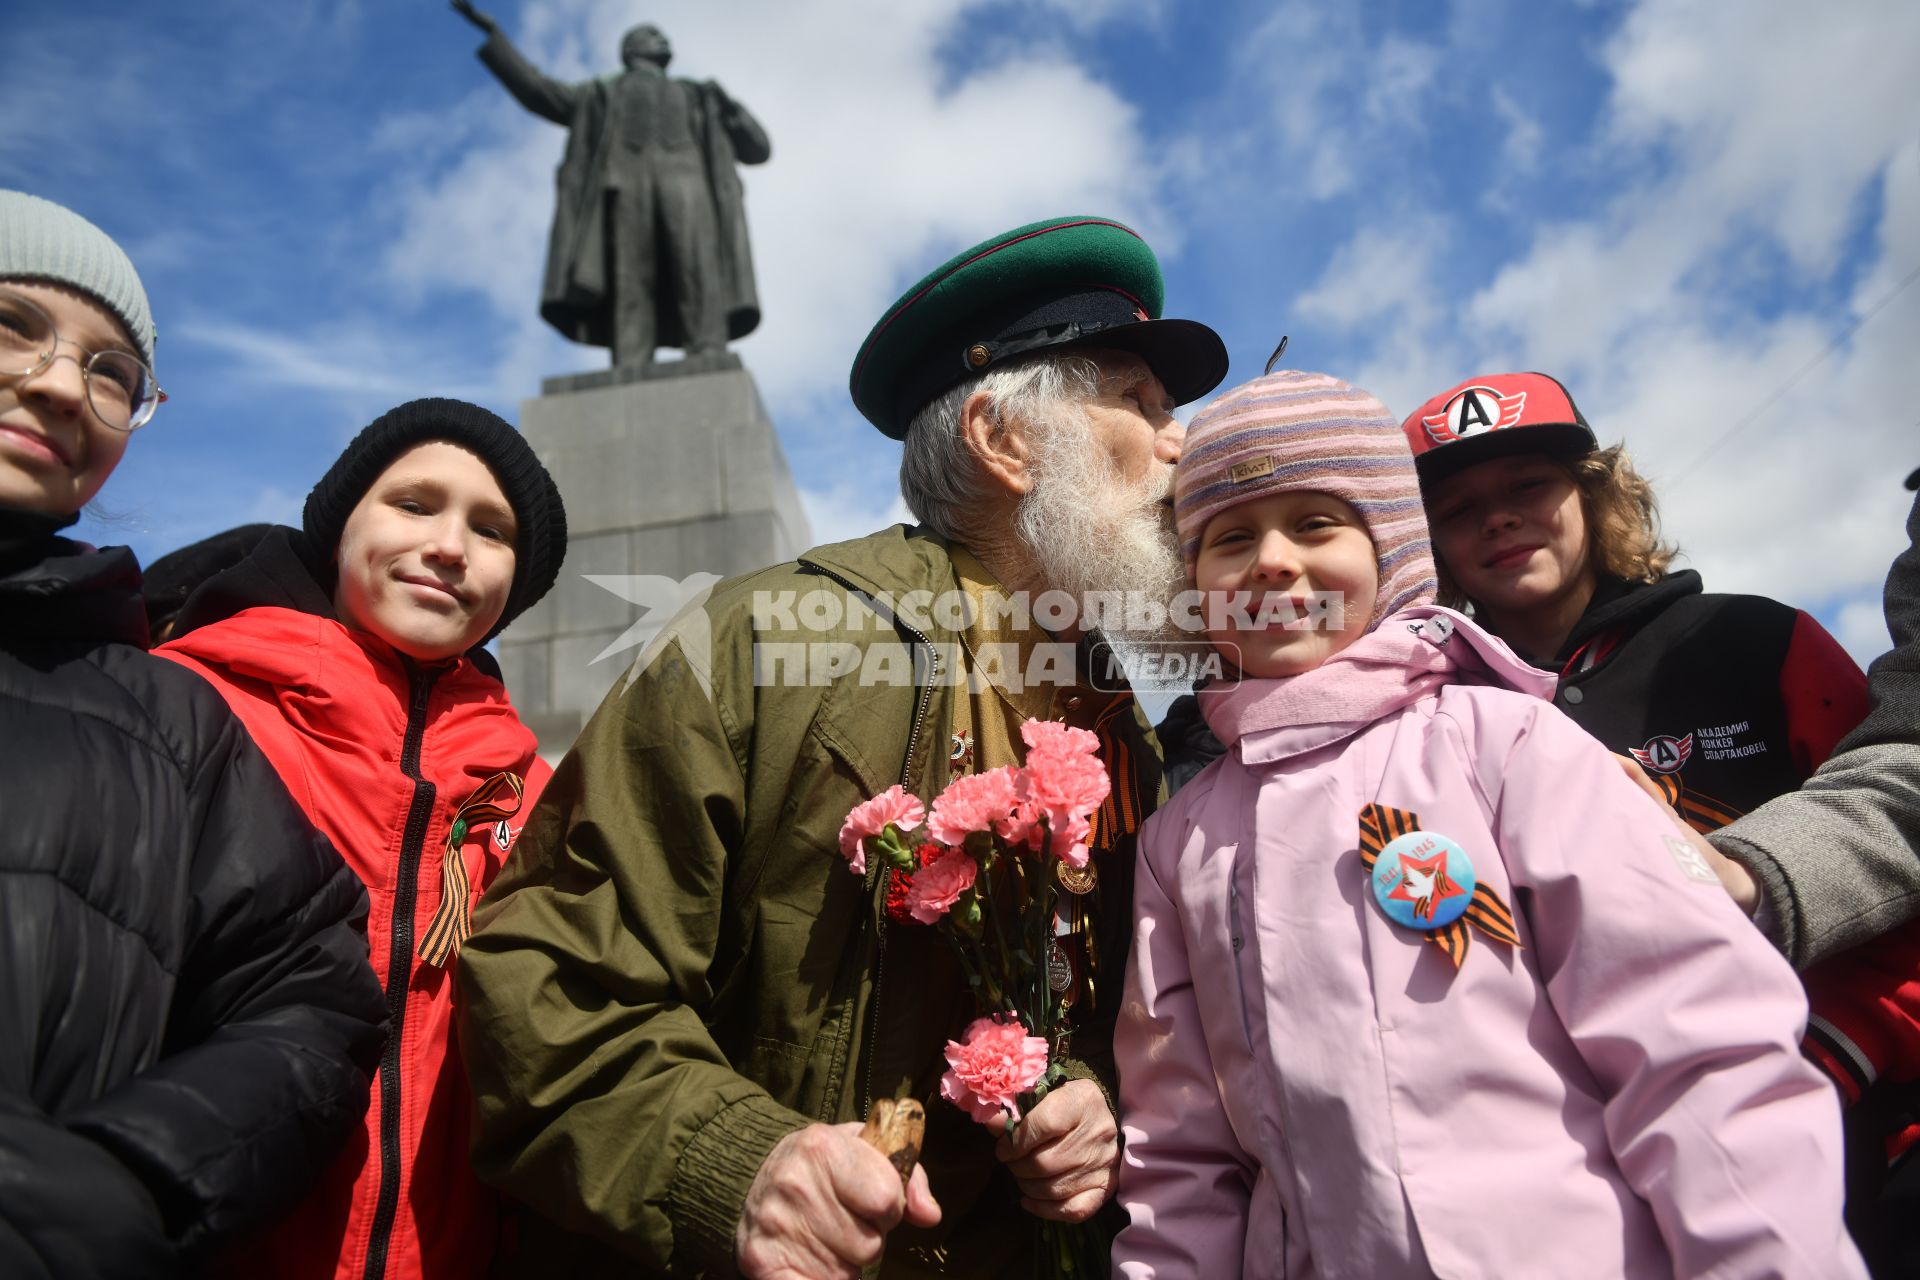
(1310, 1090)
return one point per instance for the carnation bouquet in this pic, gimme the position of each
(985, 867)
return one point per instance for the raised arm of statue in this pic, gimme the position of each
(533, 88)
(750, 144)
(466, 10)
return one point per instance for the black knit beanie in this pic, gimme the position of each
(542, 542)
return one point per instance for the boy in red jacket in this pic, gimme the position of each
(351, 650)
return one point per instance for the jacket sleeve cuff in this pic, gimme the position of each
(1075, 1069)
(714, 1172)
(1775, 915)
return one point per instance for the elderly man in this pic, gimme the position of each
(679, 1002)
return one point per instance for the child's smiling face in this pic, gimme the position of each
(1287, 547)
(427, 556)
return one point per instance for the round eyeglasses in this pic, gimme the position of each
(120, 387)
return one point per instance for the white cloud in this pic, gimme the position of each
(1521, 149)
(1774, 112)
(1330, 94)
(1750, 142)
(846, 511)
(1861, 629)
(1369, 277)
(343, 359)
(896, 164)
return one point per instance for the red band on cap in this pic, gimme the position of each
(907, 306)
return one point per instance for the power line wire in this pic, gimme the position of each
(1778, 392)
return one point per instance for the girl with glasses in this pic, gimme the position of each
(187, 1019)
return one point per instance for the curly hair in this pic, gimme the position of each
(1623, 522)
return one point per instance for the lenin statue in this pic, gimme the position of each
(649, 245)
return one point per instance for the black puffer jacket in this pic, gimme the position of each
(188, 1021)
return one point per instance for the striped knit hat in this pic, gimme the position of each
(40, 240)
(1292, 431)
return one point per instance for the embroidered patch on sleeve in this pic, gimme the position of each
(1692, 865)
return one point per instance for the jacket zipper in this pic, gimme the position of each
(400, 971)
(880, 961)
(1239, 938)
(906, 779)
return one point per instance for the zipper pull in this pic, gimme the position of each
(1233, 911)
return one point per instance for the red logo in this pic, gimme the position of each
(1425, 883)
(1474, 411)
(1663, 754)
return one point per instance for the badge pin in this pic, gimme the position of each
(1059, 968)
(1423, 880)
(1075, 879)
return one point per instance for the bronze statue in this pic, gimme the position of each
(649, 245)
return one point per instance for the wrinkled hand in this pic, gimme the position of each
(1734, 878)
(1064, 1154)
(821, 1206)
(466, 10)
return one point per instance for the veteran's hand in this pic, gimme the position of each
(1734, 878)
(1065, 1153)
(821, 1207)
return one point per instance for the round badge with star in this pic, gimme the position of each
(1423, 880)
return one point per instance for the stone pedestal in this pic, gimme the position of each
(664, 476)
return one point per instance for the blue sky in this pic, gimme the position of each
(1704, 218)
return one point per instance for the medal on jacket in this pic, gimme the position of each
(1423, 880)
(496, 799)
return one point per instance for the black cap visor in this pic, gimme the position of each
(1187, 356)
(1567, 440)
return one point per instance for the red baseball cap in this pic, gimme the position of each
(1495, 416)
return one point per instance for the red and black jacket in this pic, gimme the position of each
(1726, 700)
(381, 753)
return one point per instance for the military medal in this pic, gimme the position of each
(1059, 968)
(1075, 879)
(1424, 881)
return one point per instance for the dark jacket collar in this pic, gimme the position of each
(275, 574)
(52, 588)
(1618, 603)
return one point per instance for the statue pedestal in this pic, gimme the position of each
(669, 477)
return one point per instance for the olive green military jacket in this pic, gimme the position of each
(676, 967)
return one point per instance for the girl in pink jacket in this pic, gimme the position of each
(1421, 984)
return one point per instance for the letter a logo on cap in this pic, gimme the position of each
(1474, 411)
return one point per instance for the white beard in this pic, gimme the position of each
(1090, 531)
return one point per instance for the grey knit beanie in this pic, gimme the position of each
(40, 240)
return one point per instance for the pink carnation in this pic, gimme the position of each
(973, 802)
(870, 817)
(1022, 826)
(1070, 841)
(938, 884)
(1057, 737)
(1065, 783)
(992, 1064)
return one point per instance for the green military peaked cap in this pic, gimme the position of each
(1065, 282)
